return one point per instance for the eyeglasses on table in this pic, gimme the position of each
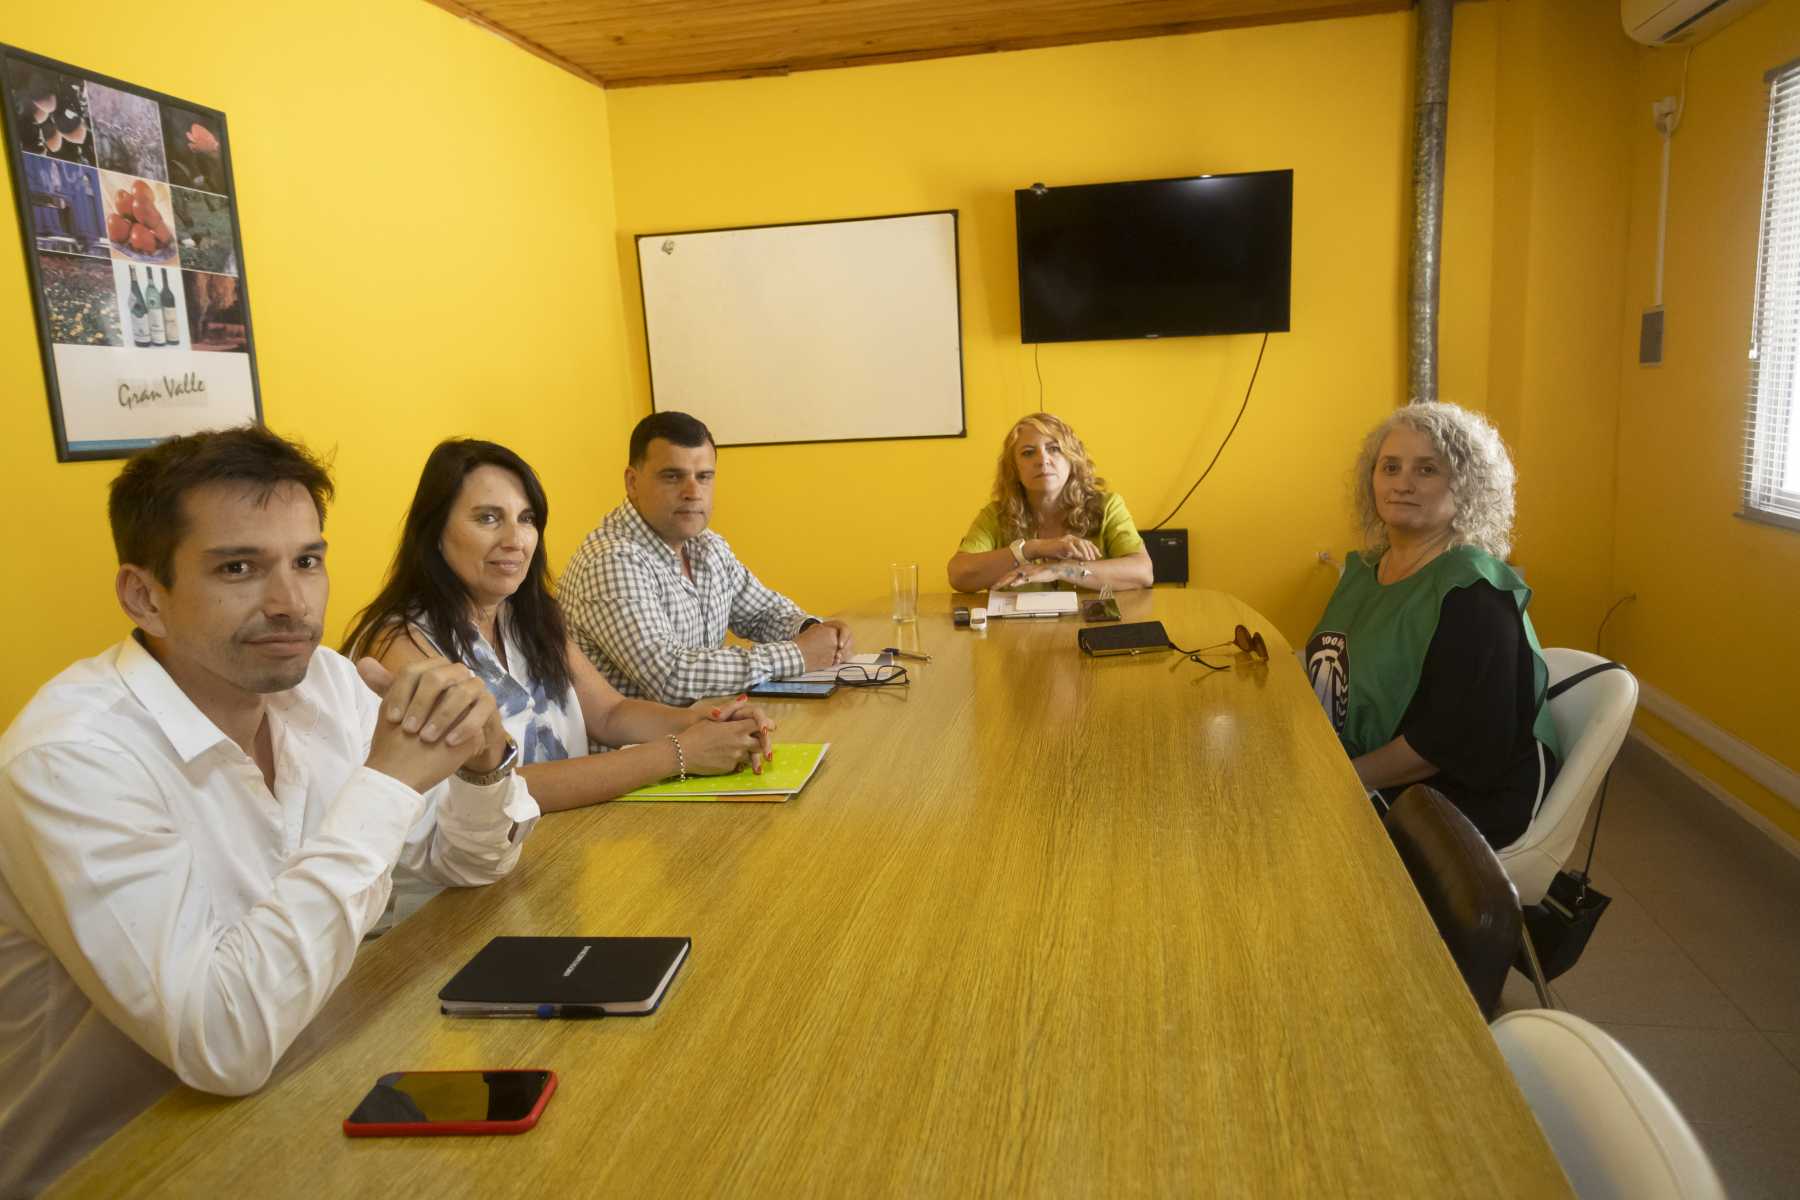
(858, 675)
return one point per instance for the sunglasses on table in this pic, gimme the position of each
(858, 675)
(1250, 643)
(1245, 641)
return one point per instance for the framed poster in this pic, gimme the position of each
(134, 257)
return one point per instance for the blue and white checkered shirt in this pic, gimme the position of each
(655, 633)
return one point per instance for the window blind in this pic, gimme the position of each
(1771, 447)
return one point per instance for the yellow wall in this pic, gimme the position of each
(428, 241)
(1713, 622)
(1329, 99)
(1563, 74)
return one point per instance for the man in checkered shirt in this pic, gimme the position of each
(651, 592)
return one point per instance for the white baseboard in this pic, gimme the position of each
(1768, 828)
(1770, 773)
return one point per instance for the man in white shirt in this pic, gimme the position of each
(198, 826)
(651, 592)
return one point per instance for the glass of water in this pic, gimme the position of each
(905, 579)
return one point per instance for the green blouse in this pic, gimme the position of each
(1118, 533)
(1386, 629)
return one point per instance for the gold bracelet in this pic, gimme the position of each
(680, 760)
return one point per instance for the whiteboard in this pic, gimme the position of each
(824, 332)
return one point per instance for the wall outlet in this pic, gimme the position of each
(1665, 114)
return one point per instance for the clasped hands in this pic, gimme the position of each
(825, 645)
(436, 716)
(1051, 560)
(728, 733)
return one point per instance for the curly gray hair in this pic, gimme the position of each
(1480, 469)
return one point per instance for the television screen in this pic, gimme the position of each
(1155, 258)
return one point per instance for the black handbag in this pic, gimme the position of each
(1562, 922)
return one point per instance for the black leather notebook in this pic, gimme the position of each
(565, 977)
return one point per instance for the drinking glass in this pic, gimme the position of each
(905, 579)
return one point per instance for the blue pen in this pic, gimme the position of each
(570, 1011)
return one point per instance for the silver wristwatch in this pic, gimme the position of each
(1018, 551)
(489, 778)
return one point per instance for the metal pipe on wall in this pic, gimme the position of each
(1431, 101)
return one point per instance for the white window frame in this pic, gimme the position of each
(1772, 424)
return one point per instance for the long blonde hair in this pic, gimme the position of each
(1083, 498)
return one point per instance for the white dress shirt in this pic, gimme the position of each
(164, 917)
(547, 728)
(655, 632)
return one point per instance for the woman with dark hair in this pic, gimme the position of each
(469, 583)
(1051, 521)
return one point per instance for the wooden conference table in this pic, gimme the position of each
(1041, 924)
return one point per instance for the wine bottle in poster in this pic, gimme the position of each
(140, 321)
(153, 308)
(171, 322)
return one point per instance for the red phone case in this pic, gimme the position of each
(449, 1128)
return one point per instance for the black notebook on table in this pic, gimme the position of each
(565, 977)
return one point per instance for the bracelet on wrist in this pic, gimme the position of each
(680, 760)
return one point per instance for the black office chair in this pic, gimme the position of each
(1465, 889)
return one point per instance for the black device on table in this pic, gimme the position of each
(437, 1103)
(793, 689)
(1100, 608)
(1138, 637)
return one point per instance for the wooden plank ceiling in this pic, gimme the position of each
(626, 43)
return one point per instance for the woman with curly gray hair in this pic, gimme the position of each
(1425, 660)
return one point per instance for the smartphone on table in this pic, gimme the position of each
(1100, 608)
(438, 1103)
(793, 689)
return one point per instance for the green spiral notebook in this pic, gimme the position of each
(793, 764)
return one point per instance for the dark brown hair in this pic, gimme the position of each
(145, 507)
(422, 590)
(676, 428)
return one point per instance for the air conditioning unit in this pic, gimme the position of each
(1679, 22)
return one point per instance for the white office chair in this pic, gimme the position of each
(1614, 1130)
(1591, 721)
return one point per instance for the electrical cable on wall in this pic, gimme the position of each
(1234, 424)
(1600, 632)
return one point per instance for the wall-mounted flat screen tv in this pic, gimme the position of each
(1156, 257)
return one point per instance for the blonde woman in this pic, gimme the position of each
(1425, 660)
(1051, 521)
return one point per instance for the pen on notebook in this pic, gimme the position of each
(899, 653)
(570, 1011)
